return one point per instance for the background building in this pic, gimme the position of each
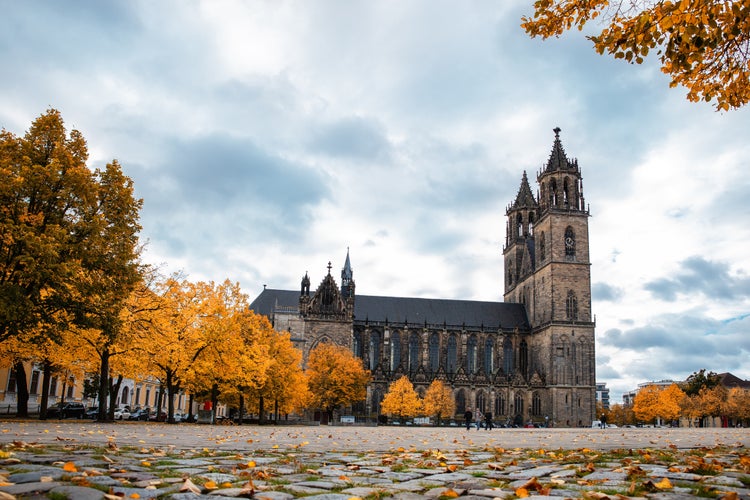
(530, 358)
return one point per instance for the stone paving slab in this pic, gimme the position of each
(144, 461)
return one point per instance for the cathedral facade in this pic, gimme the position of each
(528, 359)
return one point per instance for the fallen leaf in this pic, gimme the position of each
(70, 467)
(190, 486)
(664, 484)
(210, 485)
(522, 492)
(450, 493)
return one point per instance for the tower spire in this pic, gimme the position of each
(347, 277)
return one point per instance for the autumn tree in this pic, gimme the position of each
(737, 405)
(285, 386)
(69, 246)
(401, 400)
(646, 404)
(702, 45)
(336, 378)
(670, 400)
(439, 401)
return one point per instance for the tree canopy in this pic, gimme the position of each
(401, 400)
(336, 377)
(702, 45)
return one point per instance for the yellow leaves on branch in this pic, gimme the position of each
(402, 400)
(703, 45)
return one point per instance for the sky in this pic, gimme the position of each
(268, 137)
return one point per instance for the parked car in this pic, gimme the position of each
(141, 414)
(92, 412)
(158, 416)
(66, 410)
(122, 414)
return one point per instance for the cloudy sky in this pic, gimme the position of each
(267, 137)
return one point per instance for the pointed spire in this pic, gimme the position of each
(347, 277)
(346, 273)
(557, 159)
(524, 198)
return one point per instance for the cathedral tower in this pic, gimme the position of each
(547, 269)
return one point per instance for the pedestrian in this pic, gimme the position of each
(478, 417)
(467, 418)
(488, 421)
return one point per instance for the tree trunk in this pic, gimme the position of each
(190, 408)
(242, 407)
(103, 414)
(170, 397)
(276, 411)
(22, 390)
(46, 375)
(261, 410)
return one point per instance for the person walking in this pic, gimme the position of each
(478, 417)
(488, 421)
(467, 418)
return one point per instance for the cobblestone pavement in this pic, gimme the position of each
(88, 460)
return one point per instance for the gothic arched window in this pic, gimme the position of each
(374, 349)
(508, 356)
(434, 352)
(571, 306)
(518, 403)
(523, 358)
(536, 405)
(460, 401)
(500, 405)
(413, 352)
(452, 354)
(489, 356)
(358, 345)
(570, 242)
(395, 350)
(542, 247)
(481, 401)
(471, 355)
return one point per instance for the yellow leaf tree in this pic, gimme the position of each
(336, 378)
(670, 400)
(285, 386)
(646, 403)
(738, 404)
(401, 400)
(439, 400)
(702, 45)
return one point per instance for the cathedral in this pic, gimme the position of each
(527, 359)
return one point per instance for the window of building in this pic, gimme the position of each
(53, 386)
(395, 350)
(508, 356)
(357, 348)
(34, 388)
(374, 349)
(460, 401)
(71, 387)
(523, 358)
(536, 405)
(434, 352)
(11, 380)
(452, 354)
(518, 402)
(471, 355)
(571, 306)
(413, 352)
(489, 356)
(500, 405)
(570, 242)
(481, 401)
(542, 247)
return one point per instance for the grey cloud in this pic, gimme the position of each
(605, 292)
(353, 137)
(228, 189)
(701, 276)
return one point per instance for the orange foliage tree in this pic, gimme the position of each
(335, 377)
(702, 45)
(439, 401)
(401, 400)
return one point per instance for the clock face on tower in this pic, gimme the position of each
(569, 242)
